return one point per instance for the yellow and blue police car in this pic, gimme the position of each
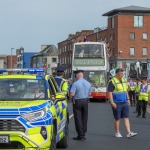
(33, 112)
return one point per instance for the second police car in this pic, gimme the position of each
(33, 112)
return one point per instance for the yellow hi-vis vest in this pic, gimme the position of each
(143, 92)
(119, 93)
(137, 87)
(64, 85)
(132, 86)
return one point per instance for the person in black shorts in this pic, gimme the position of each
(119, 99)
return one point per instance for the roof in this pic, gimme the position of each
(131, 9)
(49, 50)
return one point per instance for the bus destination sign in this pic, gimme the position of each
(89, 62)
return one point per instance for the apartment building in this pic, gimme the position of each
(128, 35)
(47, 58)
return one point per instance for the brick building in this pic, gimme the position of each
(65, 48)
(11, 61)
(128, 35)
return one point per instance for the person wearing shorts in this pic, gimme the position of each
(119, 99)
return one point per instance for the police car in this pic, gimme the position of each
(33, 112)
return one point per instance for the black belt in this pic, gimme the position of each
(83, 99)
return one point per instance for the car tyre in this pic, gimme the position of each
(53, 140)
(63, 143)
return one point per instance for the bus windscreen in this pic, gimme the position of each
(89, 50)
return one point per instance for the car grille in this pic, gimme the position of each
(11, 125)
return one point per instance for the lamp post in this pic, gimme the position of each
(11, 56)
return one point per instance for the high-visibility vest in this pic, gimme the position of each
(119, 93)
(131, 86)
(62, 84)
(137, 87)
(143, 92)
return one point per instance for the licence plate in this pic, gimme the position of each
(4, 139)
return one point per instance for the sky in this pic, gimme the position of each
(32, 23)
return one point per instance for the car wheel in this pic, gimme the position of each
(53, 140)
(63, 143)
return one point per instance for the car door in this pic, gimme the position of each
(59, 98)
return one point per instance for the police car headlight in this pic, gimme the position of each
(35, 115)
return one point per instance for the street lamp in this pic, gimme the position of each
(11, 56)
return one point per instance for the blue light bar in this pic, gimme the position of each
(28, 70)
(36, 70)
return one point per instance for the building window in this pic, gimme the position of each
(138, 21)
(144, 36)
(131, 51)
(112, 22)
(144, 51)
(65, 48)
(54, 60)
(132, 36)
(60, 51)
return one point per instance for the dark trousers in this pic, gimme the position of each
(80, 110)
(132, 97)
(142, 105)
(136, 97)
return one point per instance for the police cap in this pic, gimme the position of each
(78, 71)
(60, 69)
(118, 70)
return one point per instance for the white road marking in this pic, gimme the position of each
(148, 109)
(70, 116)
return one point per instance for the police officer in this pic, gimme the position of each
(132, 92)
(137, 93)
(119, 99)
(144, 97)
(80, 92)
(61, 82)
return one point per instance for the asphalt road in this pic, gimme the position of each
(101, 131)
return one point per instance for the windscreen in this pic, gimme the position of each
(20, 89)
(89, 50)
(96, 78)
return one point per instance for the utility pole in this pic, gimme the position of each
(11, 56)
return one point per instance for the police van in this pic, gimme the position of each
(33, 112)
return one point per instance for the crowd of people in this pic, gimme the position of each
(139, 93)
(122, 93)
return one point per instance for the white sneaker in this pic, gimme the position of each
(118, 135)
(131, 134)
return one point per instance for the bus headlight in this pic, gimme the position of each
(34, 115)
